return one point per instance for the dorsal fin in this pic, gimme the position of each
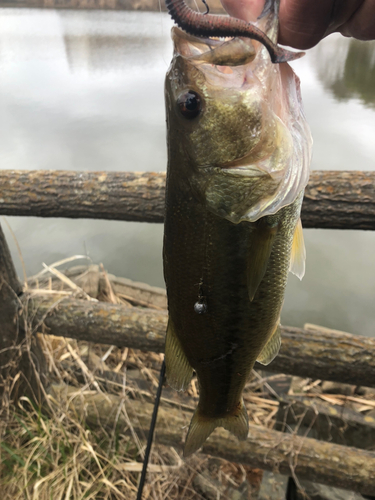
(298, 255)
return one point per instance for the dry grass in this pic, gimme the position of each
(55, 454)
(52, 453)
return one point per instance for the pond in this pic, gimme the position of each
(83, 90)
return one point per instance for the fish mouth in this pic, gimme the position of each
(245, 170)
(244, 166)
(231, 168)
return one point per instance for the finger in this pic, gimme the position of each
(361, 23)
(303, 23)
(248, 10)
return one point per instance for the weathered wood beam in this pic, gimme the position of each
(321, 354)
(327, 422)
(333, 200)
(339, 200)
(95, 282)
(100, 322)
(326, 354)
(306, 458)
(19, 354)
(10, 289)
(310, 416)
(130, 196)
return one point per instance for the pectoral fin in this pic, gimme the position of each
(201, 427)
(178, 369)
(271, 349)
(260, 250)
(298, 256)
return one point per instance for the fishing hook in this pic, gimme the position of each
(207, 7)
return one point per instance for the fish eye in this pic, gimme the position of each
(189, 104)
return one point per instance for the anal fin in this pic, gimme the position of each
(271, 349)
(259, 253)
(201, 427)
(178, 369)
(298, 255)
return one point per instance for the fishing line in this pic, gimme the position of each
(207, 7)
(151, 432)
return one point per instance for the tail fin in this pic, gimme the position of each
(201, 427)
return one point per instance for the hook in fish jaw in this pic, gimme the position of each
(208, 25)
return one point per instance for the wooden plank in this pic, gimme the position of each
(333, 200)
(322, 355)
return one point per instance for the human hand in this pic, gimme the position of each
(303, 23)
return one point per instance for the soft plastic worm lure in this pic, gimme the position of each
(208, 25)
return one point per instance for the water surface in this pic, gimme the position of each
(83, 90)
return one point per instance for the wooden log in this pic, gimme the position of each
(19, 354)
(100, 322)
(131, 196)
(138, 293)
(327, 422)
(333, 200)
(326, 354)
(339, 200)
(312, 417)
(306, 458)
(134, 292)
(10, 290)
(94, 282)
(316, 354)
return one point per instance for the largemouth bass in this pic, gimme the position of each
(238, 163)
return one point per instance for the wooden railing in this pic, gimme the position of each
(333, 199)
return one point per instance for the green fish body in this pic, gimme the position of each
(238, 158)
